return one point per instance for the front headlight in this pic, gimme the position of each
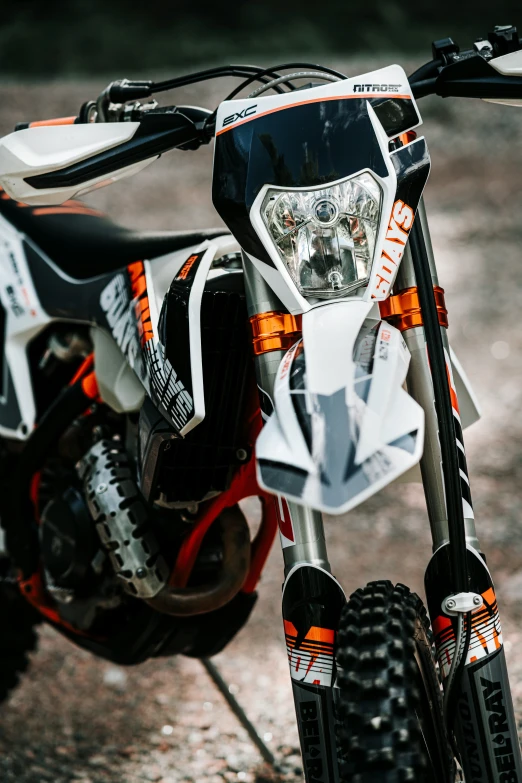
(326, 237)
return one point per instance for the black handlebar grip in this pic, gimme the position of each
(125, 90)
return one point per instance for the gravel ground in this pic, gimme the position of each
(76, 718)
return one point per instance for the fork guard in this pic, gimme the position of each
(343, 427)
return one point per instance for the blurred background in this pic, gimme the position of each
(75, 718)
(93, 36)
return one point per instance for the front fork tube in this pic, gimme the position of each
(312, 598)
(484, 722)
(312, 605)
(483, 719)
(420, 387)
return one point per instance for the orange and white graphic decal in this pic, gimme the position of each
(141, 300)
(452, 387)
(486, 634)
(312, 660)
(399, 227)
(467, 503)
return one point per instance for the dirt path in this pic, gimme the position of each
(76, 718)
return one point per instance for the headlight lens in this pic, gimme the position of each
(326, 237)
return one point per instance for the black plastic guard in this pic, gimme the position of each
(312, 605)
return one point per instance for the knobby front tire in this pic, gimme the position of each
(392, 728)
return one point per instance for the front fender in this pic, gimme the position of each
(343, 426)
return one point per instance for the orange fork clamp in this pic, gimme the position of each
(274, 331)
(403, 310)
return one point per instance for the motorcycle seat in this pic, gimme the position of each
(84, 242)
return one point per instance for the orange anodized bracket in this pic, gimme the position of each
(403, 310)
(274, 331)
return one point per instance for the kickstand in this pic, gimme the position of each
(239, 712)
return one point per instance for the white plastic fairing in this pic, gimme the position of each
(505, 101)
(230, 114)
(343, 426)
(509, 64)
(118, 384)
(24, 318)
(33, 151)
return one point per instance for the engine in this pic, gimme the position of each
(96, 535)
(115, 494)
(105, 551)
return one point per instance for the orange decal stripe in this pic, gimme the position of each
(143, 307)
(55, 121)
(138, 282)
(440, 624)
(147, 332)
(453, 393)
(481, 638)
(316, 647)
(187, 266)
(139, 287)
(489, 596)
(135, 270)
(66, 211)
(290, 628)
(317, 634)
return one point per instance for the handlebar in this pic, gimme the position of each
(469, 74)
(451, 73)
(468, 77)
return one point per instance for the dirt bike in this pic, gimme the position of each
(151, 381)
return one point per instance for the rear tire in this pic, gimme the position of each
(17, 633)
(390, 694)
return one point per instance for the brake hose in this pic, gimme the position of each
(447, 437)
(455, 677)
(457, 658)
(448, 447)
(283, 66)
